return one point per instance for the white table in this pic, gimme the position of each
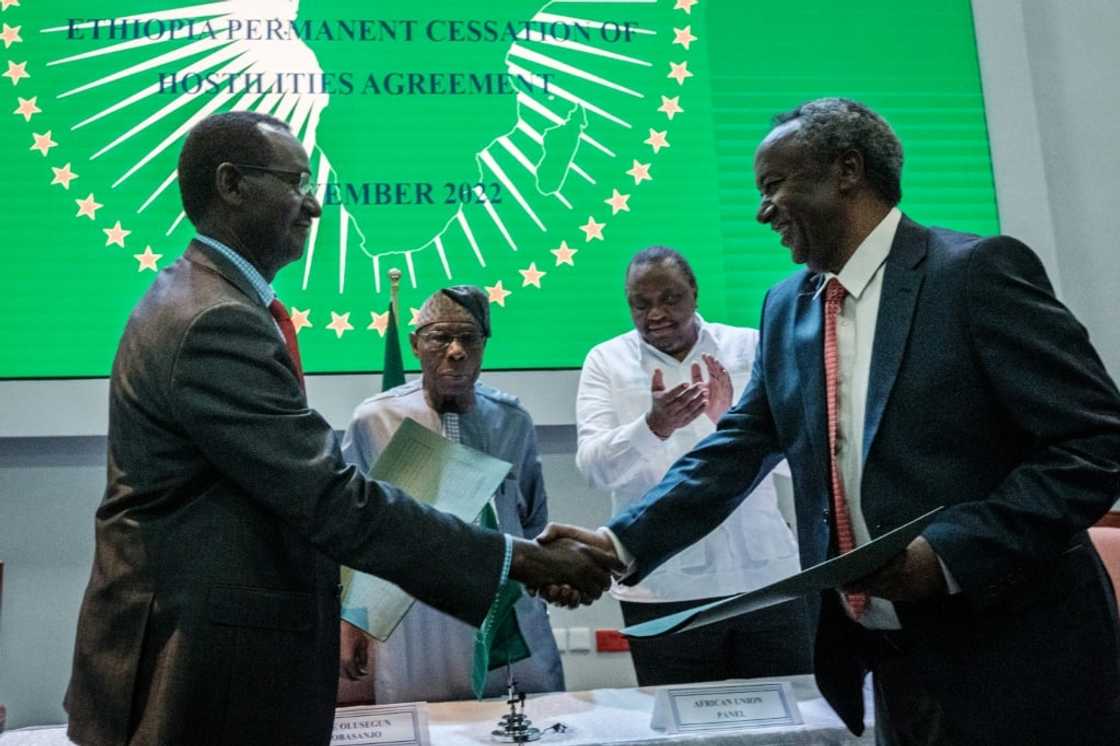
(606, 717)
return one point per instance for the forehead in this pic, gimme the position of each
(779, 149)
(655, 277)
(287, 152)
(451, 327)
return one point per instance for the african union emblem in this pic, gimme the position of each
(459, 141)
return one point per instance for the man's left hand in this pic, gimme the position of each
(718, 385)
(914, 575)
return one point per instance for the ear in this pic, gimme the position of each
(850, 171)
(413, 340)
(228, 184)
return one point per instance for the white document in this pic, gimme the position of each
(448, 476)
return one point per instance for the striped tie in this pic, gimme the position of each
(834, 294)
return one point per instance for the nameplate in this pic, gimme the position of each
(724, 707)
(399, 725)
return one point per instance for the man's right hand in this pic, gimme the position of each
(563, 595)
(583, 571)
(353, 652)
(675, 408)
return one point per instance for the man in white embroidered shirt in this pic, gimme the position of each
(645, 398)
(908, 368)
(429, 655)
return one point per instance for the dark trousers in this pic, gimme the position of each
(910, 701)
(769, 642)
(906, 712)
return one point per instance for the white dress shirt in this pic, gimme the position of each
(862, 277)
(618, 452)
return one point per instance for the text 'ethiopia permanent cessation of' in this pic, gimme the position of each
(438, 30)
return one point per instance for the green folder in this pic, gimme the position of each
(833, 573)
(448, 476)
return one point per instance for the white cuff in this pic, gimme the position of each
(622, 553)
(951, 582)
(642, 439)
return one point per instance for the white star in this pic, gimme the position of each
(10, 35)
(340, 323)
(379, 322)
(685, 5)
(532, 275)
(640, 172)
(16, 72)
(63, 176)
(115, 235)
(300, 319)
(498, 294)
(679, 71)
(618, 202)
(88, 207)
(657, 140)
(28, 107)
(670, 106)
(592, 230)
(147, 260)
(43, 142)
(684, 36)
(564, 254)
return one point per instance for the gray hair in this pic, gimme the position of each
(832, 126)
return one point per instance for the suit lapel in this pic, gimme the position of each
(902, 282)
(808, 330)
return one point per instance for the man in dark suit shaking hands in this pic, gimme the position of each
(212, 610)
(906, 368)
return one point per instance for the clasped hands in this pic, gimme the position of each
(566, 565)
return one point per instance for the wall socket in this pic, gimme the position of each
(579, 639)
(560, 634)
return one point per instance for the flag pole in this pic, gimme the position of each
(394, 292)
(392, 371)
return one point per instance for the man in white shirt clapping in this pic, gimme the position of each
(645, 399)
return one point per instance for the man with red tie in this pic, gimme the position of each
(211, 614)
(909, 368)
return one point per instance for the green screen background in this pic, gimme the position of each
(65, 295)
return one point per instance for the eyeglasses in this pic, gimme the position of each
(439, 341)
(303, 185)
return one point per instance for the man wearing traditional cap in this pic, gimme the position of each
(429, 655)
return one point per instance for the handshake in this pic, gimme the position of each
(566, 565)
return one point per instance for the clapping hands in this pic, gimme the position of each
(671, 409)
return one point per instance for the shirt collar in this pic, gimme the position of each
(867, 258)
(264, 290)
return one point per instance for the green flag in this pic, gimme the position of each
(392, 374)
(392, 371)
(498, 641)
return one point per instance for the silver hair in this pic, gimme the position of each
(831, 127)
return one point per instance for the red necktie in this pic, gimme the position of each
(288, 329)
(834, 294)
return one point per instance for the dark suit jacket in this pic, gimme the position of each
(985, 396)
(212, 610)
